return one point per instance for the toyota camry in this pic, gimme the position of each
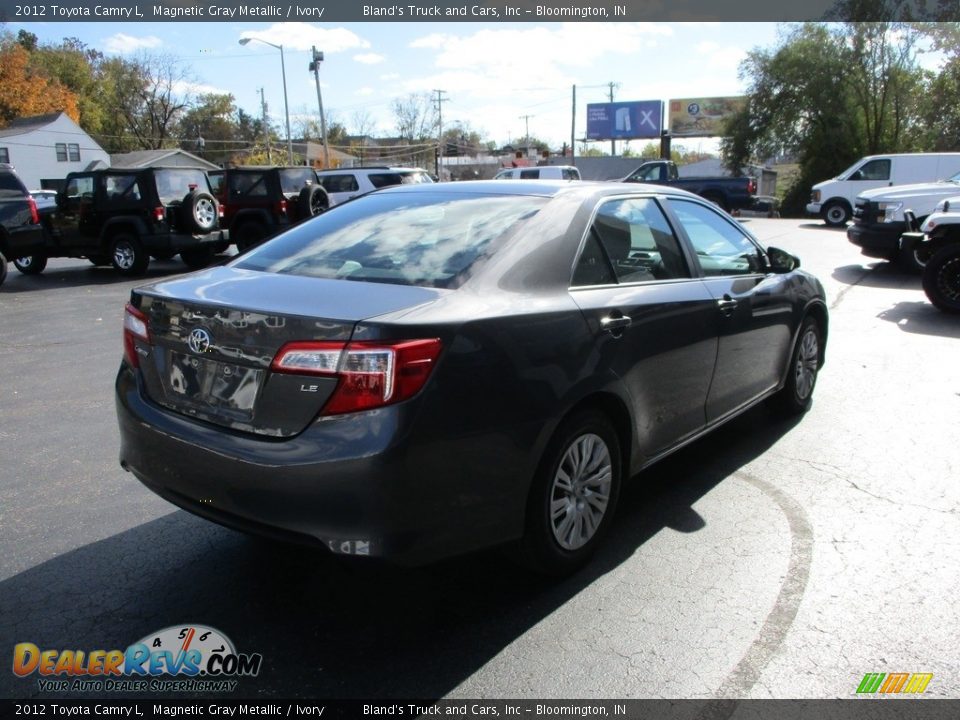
(433, 369)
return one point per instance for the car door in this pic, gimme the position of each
(74, 224)
(753, 306)
(654, 321)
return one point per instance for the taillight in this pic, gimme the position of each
(281, 207)
(135, 327)
(159, 214)
(751, 186)
(371, 374)
(34, 215)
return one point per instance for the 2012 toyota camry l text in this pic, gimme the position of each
(432, 369)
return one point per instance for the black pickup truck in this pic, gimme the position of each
(730, 193)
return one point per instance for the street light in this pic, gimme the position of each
(315, 69)
(286, 107)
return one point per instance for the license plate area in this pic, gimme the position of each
(201, 386)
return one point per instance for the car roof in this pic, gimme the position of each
(544, 188)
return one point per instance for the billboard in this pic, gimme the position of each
(624, 120)
(702, 117)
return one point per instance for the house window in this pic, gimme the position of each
(74, 150)
(4, 155)
(61, 152)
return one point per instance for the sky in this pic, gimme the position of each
(497, 78)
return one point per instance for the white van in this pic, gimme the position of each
(833, 200)
(540, 172)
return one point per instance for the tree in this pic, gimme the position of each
(210, 118)
(415, 116)
(829, 95)
(77, 68)
(26, 91)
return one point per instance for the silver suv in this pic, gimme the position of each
(345, 183)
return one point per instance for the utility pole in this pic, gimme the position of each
(266, 128)
(315, 68)
(613, 143)
(439, 101)
(573, 128)
(526, 127)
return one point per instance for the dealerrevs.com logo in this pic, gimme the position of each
(180, 658)
(894, 683)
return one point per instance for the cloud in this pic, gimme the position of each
(303, 36)
(121, 43)
(185, 87)
(369, 58)
(364, 91)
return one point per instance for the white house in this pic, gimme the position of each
(171, 157)
(44, 148)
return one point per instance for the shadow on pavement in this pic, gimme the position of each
(922, 318)
(879, 275)
(330, 627)
(823, 226)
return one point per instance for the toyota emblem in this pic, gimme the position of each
(199, 340)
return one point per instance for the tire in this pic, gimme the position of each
(312, 202)
(128, 256)
(717, 200)
(836, 213)
(165, 255)
(572, 502)
(3, 268)
(201, 210)
(249, 235)
(941, 279)
(31, 264)
(796, 396)
(197, 258)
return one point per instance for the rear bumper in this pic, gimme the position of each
(354, 484)
(878, 240)
(24, 240)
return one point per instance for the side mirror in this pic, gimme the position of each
(781, 261)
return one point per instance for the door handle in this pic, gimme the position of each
(615, 325)
(727, 305)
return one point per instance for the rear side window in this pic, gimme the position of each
(121, 188)
(339, 183)
(428, 240)
(637, 242)
(529, 174)
(248, 184)
(216, 182)
(571, 174)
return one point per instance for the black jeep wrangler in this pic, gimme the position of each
(259, 202)
(20, 230)
(123, 217)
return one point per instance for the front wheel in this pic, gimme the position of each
(31, 264)
(941, 279)
(797, 393)
(128, 255)
(836, 214)
(3, 268)
(573, 495)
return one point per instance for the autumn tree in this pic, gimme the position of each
(26, 90)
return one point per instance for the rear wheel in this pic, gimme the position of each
(573, 495)
(197, 258)
(941, 279)
(128, 255)
(836, 214)
(249, 234)
(31, 264)
(3, 268)
(797, 393)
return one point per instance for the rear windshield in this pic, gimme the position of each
(293, 180)
(399, 177)
(173, 185)
(431, 239)
(10, 186)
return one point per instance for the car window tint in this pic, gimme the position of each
(431, 239)
(592, 268)
(721, 247)
(216, 182)
(529, 174)
(638, 240)
(174, 184)
(571, 174)
(379, 180)
(248, 184)
(81, 187)
(339, 183)
(10, 186)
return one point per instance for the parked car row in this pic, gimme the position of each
(126, 217)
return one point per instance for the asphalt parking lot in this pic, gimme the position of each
(770, 560)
